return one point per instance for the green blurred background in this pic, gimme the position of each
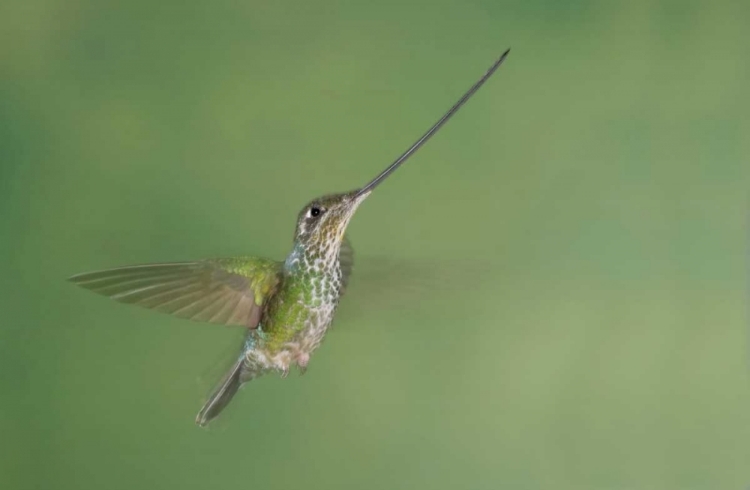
(571, 246)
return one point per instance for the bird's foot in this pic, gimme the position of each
(302, 360)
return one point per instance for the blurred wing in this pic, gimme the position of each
(221, 291)
(346, 261)
(396, 284)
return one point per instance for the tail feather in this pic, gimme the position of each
(221, 396)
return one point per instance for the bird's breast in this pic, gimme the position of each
(295, 323)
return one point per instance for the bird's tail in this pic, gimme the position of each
(222, 395)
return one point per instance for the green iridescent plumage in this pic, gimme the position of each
(285, 306)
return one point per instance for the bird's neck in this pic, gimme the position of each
(314, 277)
(320, 259)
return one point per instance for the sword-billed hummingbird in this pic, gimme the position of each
(286, 306)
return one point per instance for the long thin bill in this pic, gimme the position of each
(421, 141)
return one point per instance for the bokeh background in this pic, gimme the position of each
(551, 294)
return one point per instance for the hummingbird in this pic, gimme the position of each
(285, 306)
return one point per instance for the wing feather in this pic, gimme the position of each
(223, 291)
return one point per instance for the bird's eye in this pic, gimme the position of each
(315, 212)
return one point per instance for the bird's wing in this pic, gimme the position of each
(221, 291)
(346, 261)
